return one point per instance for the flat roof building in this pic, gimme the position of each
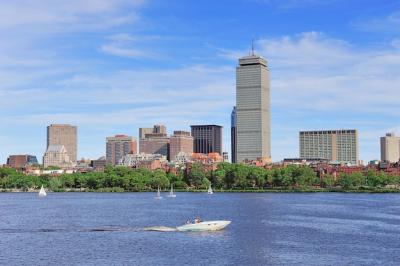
(65, 135)
(21, 161)
(118, 146)
(390, 148)
(180, 142)
(334, 145)
(207, 139)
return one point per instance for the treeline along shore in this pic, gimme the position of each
(226, 178)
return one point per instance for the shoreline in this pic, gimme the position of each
(274, 190)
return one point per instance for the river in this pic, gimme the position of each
(266, 229)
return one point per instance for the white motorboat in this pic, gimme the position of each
(204, 226)
(42, 192)
(210, 191)
(158, 194)
(171, 193)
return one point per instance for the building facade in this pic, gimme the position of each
(155, 143)
(180, 142)
(57, 155)
(21, 161)
(233, 135)
(118, 146)
(66, 135)
(142, 160)
(253, 133)
(334, 145)
(207, 139)
(390, 148)
(143, 131)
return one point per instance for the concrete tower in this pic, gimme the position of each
(253, 133)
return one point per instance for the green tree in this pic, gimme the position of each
(196, 175)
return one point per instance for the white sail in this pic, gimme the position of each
(210, 191)
(158, 194)
(171, 193)
(42, 192)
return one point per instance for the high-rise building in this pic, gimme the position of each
(118, 146)
(143, 131)
(21, 161)
(180, 142)
(160, 129)
(57, 155)
(154, 140)
(207, 139)
(333, 145)
(155, 143)
(66, 135)
(253, 131)
(156, 129)
(233, 135)
(390, 148)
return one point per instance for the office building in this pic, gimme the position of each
(233, 135)
(253, 133)
(180, 142)
(155, 143)
(156, 129)
(118, 146)
(339, 146)
(154, 140)
(207, 139)
(57, 155)
(21, 161)
(390, 148)
(65, 135)
(143, 131)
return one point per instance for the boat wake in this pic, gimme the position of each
(160, 229)
(86, 230)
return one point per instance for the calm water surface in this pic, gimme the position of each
(266, 229)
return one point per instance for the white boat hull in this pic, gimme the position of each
(204, 226)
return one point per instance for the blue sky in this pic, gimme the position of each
(110, 67)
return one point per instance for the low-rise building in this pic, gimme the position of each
(99, 165)
(56, 155)
(21, 161)
(150, 161)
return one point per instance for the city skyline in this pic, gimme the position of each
(67, 67)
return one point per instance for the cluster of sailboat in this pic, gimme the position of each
(196, 226)
(172, 195)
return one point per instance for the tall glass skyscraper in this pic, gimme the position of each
(253, 133)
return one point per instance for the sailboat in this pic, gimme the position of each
(171, 193)
(158, 194)
(210, 191)
(42, 192)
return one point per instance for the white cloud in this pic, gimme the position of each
(319, 82)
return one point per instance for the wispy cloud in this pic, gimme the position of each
(126, 45)
(68, 15)
(291, 4)
(384, 24)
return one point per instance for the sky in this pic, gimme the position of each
(110, 67)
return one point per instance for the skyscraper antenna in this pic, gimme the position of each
(252, 46)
